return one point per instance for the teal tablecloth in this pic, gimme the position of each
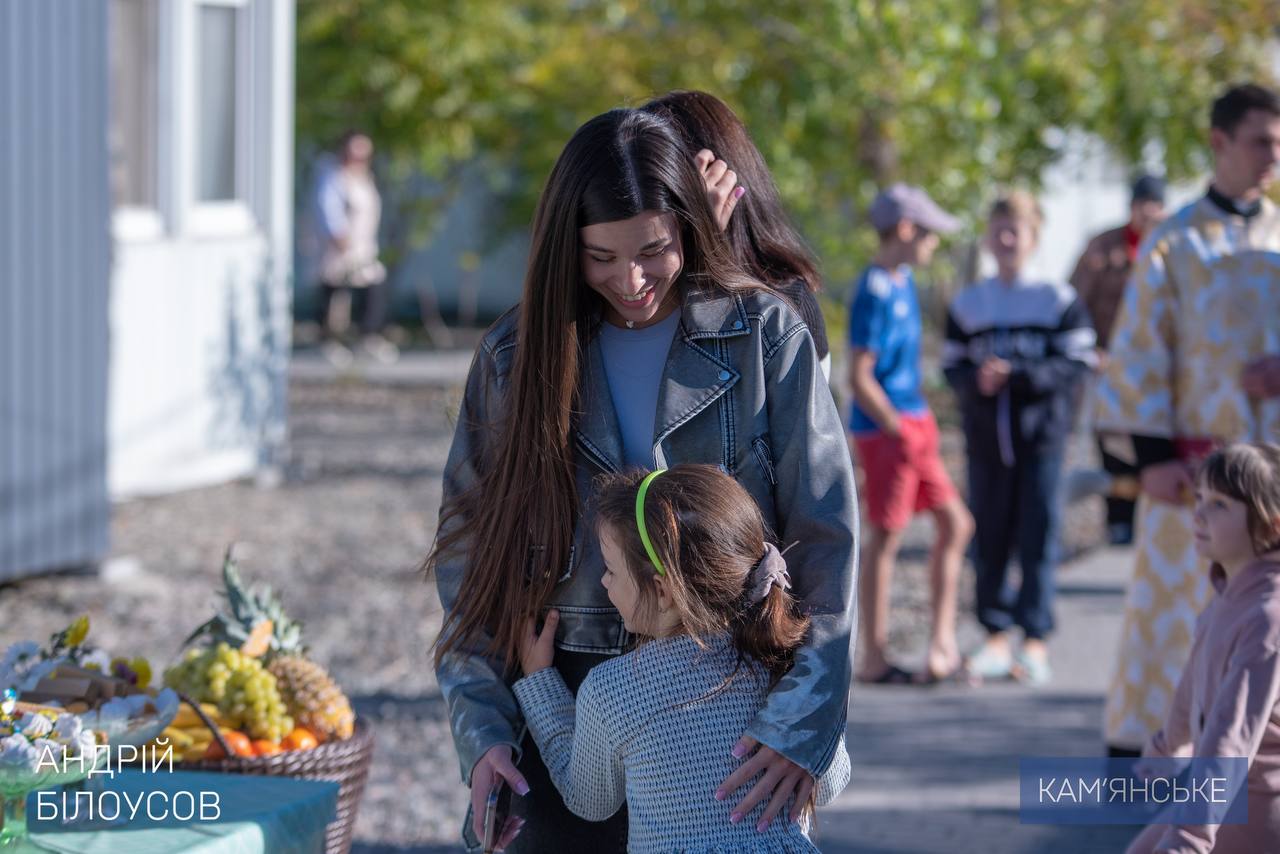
(258, 815)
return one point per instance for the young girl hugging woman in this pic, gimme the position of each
(1227, 703)
(689, 568)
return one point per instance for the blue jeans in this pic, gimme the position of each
(1016, 507)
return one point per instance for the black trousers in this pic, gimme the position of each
(549, 826)
(1015, 510)
(1119, 510)
(368, 307)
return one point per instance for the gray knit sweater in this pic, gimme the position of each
(653, 728)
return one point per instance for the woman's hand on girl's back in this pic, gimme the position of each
(782, 779)
(538, 650)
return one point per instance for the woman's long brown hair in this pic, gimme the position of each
(763, 240)
(515, 527)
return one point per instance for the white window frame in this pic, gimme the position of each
(144, 223)
(232, 218)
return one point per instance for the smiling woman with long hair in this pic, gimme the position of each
(637, 342)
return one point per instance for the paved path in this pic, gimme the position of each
(936, 770)
(414, 367)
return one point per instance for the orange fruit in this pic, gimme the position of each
(300, 738)
(263, 747)
(236, 740)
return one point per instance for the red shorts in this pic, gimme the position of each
(902, 476)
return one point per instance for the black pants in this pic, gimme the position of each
(549, 826)
(1015, 508)
(368, 307)
(1119, 510)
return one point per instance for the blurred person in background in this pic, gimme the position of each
(894, 435)
(351, 278)
(1099, 278)
(1015, 350)
(1194, 363)
(760, 234)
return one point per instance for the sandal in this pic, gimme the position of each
(988, 664)
(892, 675)
(1033, 669)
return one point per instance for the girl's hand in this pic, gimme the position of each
(494, 764)
(782, 779)
(723, 191)
(537, 650)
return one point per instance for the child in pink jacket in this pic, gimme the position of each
(1227, 702)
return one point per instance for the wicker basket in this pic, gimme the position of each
(344, 762)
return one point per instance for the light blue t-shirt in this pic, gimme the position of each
(885, 319)
(633, 362)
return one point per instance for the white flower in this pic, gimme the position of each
(98, 657)
(51, 754)
(17, 752)
(86, 743)
(18, 653)
(67, 728)
(15, 662)
(34, 725)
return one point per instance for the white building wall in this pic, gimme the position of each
(200, 302)
(53, 286)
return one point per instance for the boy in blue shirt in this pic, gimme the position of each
(894, 437)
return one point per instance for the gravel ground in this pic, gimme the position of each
(341, 540)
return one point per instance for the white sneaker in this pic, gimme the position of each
(337, 354)
(380, 349)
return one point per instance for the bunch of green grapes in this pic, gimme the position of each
(242, 689)
(253, 705)
(197, 677)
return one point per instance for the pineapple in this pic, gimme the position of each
(259, 626)
(313, 699)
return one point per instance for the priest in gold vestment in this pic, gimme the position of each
(1194, 363)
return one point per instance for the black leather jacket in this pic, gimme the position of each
(741, 388)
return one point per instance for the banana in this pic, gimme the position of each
(179, 738)
(186, 718)
(194, 754)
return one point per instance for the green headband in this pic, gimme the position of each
(644, 534)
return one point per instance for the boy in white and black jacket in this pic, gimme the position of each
(1014, 353)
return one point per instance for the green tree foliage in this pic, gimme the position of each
(841, 95)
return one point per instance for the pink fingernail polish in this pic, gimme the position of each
(735, 818)
(762, 827)
(740, 192)
(719, 796)
(738, 751)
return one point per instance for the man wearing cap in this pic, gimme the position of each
(894, 437)
(1099, 279)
